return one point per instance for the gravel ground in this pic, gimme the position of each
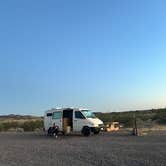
(113, 149)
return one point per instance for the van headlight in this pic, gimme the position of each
(101, 125)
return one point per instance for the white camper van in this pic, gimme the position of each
(69, 120)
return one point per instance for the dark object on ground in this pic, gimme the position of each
(53, 131)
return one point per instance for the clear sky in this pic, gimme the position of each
(107, 55)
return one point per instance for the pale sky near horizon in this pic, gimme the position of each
(103, 55)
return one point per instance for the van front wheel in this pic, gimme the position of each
(86, 131)
(96, 132)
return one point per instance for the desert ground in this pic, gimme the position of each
(112, 149)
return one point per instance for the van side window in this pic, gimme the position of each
(57, 115)
(79, 115)
(49, 114)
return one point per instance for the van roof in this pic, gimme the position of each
(60, 108)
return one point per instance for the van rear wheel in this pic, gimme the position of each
(86, 131)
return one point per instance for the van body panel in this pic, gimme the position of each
(95, 121)
(57, 119)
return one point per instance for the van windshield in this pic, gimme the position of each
(88, 114)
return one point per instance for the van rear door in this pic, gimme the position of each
(47, 121)
(57, 119)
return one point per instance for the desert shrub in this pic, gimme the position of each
(6, 126)
(160, 118)
(126, 119)
(32, 125)
(39, 124)
(27, 125)
(1, 127)
(154, 115)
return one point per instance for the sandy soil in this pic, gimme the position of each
(113, 149)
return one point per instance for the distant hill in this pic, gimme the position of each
(18, 117)
(156, 115)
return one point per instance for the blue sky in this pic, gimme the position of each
(105, 55)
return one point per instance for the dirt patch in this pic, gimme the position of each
(115, 149)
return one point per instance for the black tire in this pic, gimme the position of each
(86, 131)
(96, 132)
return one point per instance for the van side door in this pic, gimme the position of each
(57, 119)
(78, 121)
